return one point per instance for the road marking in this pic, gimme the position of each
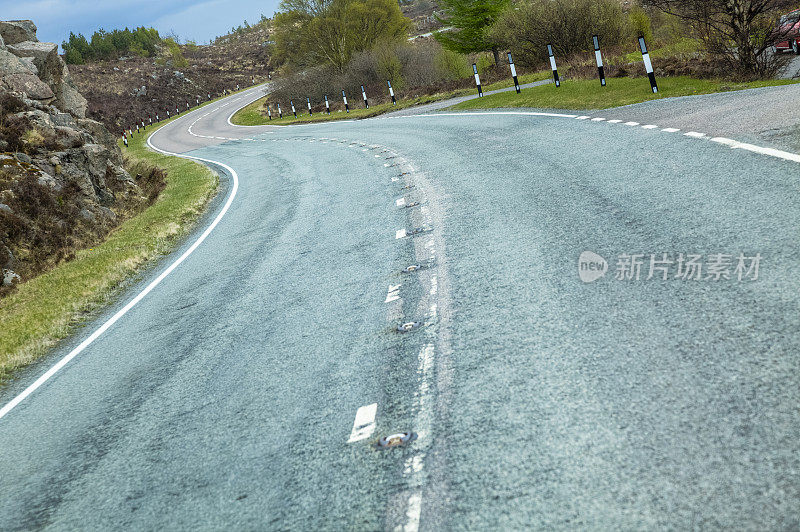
(695, 134)
(364, 424)
(631, 124)
(598, 119)
(393, 294)
(582, 117)
(401, 233)
(413, 513)
(771, 152)
(401, 202)
(133, 302)
(670, 130)
(615, 121)
(650, 126)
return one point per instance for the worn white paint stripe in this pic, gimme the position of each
(771, 152)
(670, 130)
(400, 202)
(364, 424)
(598, 119)
(132, 303)
(615, 121)
(413, 513)
(631, 124)
(650, 126)
(695, 134)
(582, 117)
(401, 233)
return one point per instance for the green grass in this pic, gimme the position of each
(588, 94)
(252, 114)
(49, 307)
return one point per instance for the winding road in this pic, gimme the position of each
(248, 386)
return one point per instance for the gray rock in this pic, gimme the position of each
(64, 120)
(102, 136)
(17, 31)
(23, 158)
(28, 85)
(41, 52)
(3, 145)
(5, 208)
(67, 138)
(2, 43)
(108, 213)
(86, 214)
(11, 64)
(9, 277)
(28, 62)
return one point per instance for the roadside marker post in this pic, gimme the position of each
(269, 76)
(309, 107)
(167, 113)
(648, 65)
(599, 58)
(198, 100)
(344, 97)
(513, 72)
(157, 118)
(327, 105)
(187, 106)
(391, 92)
(553, 66)
(477, 80)
(177, 112)
(291, 102)
(150, 119)
(269, 112)
(125, 140)
(364, 95)
(237, 86)
(280, 113)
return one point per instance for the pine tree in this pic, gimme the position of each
(471, 20)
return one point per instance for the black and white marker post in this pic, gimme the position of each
(280, 113)
(327, 105)
(364, 95)
(477, 79)
(513, 72)
(308, 100)
(291, 102)
(391, 92)
(599, 57)
(344, 97)
(167, 113)
(556, 79)
(269, 112)
(648, 66)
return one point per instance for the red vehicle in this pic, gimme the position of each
(789, 31)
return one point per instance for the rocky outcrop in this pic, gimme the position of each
(34, 70)
(16, 31)
(62, 180)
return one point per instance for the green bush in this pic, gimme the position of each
(452, 66)
(528, 27)
(639, 24)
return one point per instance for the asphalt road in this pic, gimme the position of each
(227, 397)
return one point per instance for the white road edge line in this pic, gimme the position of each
(133, 302)
(771, 152)
(364, 424)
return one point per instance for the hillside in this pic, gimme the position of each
(123, 90)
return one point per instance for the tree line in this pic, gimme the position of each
(105, 45)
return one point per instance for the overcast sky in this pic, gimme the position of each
(197, 20)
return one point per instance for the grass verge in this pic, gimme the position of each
(588, 94)
(48, 308)
(252, 116)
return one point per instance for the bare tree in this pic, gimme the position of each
(740, 32)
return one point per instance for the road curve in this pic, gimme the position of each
(250, 387)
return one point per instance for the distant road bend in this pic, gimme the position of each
(419, 274)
